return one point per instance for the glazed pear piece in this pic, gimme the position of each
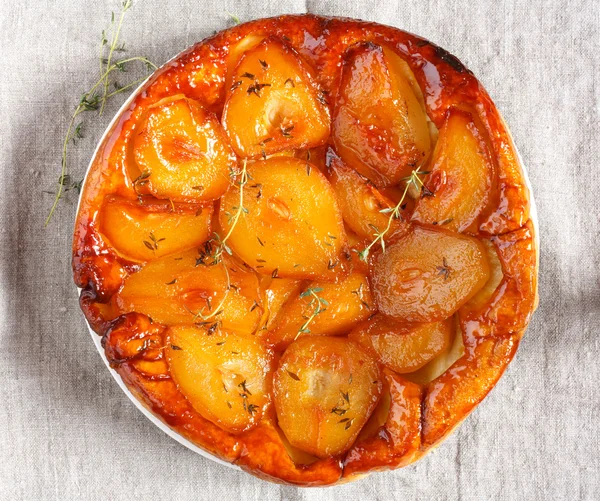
(462, 175)
(453, 395)
(443, 361)
(236, 51)
(505, 303)
(290, 225)
(222, 374)
(147, 231)
(428, 274)
(182, 152)
(274, 103)
(402, 346)
(395, 437)
(323, 309)
(179, 289)
(276, 294)
(361, 203)
(380, 127)
(484, 295)
(325, 390)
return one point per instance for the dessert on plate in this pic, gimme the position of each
(307, 246)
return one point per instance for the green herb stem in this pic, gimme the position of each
(317, 302)
(91, 100)
(394, 212)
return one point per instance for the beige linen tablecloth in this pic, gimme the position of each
(66, 429)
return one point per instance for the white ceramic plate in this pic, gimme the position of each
(160, 424)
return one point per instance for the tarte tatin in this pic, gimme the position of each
(307, 247)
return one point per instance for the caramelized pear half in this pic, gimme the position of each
(274, 103)
(428, 274)
(290, 225)
(361, 203)
(147, 231)
(323, 309)
(222, 374)
(325, 390)
(179, 289)
(380, 127)
(401, 346)
(461, 177)
(182, 152)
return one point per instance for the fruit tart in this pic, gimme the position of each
(307, 246)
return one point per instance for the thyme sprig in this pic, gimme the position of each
(220, 244)
(106, 62)
(212, 252)
(394, 212)
(68, 184)
(218, 310)
(153, 243)
(95, 98)
(316, 303)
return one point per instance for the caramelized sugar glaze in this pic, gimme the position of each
(398, 357)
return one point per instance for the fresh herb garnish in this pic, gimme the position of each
(234, 18)
(242, 385)
(153, 244)
(255, 88)
(316, 303)
(444, 269)
(141, 180)
(394, 212)
(212, 251)
(339, 411)
(286, 131)
(344, 406)
(95, 98)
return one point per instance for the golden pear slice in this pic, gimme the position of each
(179, 289)
(290, 225)
(380, 127)
(274, 103)
(461, 177)
(222, 374)
(182, 152)
(428, 274)
(325, 390)
(147, 231)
